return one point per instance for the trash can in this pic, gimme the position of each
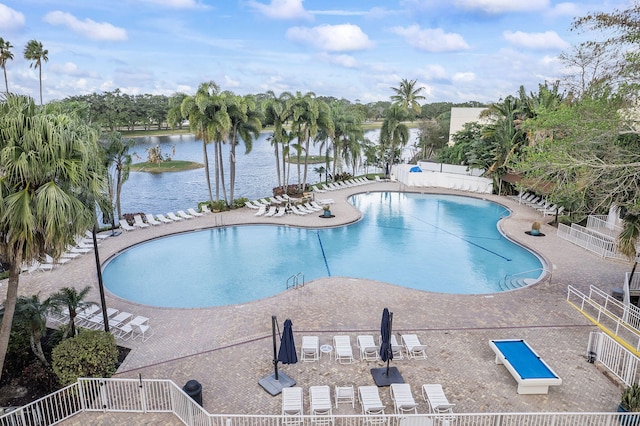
(194, 389)
(617, 293)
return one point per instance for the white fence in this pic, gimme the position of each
(464, 181)
(595, 242)
(603, 224)
(619, 319)
(615, 357)
(147, 396)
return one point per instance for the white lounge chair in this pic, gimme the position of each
(370, 402)
(151, 220)
(311, 207)
(396, 349)
(368, 348)
(163, 219)
(173, 217)
(261, 211)
(342, 349)
(436, 399)
(553, 212)
(43, 266)
(69, 255)
(141, 330)
(251, 205)
(281, 211)
(60, 261)
(79, 250)
(402, 398)
(270, 212)
(297, 211)
(99, 237)
(124, 225)
(310, 350)
(320, 404)
(205, 209)
(314, 188)
(184, 215)
(281, 199)
(193, 212)
(292, 405)
(137, 221)
(414, 348)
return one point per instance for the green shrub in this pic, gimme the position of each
(239, 203)
(92, 353)
(219, 205)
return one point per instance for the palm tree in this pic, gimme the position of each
(117, 163)
(246, 125)
(34, 51)
(74, 301)
(394, 134)
(308, 115)
(277, 112)
(407, 96)
(31, 313)
(51, 166)
(209, 120)
(5, 55)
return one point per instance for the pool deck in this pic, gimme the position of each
(228, 349)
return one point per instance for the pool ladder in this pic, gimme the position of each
(294, 281)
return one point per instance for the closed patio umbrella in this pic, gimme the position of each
(274, 383)
(287, 353)
(386, 376)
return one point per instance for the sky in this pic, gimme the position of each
(456, 50)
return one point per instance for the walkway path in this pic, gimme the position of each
(228, 349)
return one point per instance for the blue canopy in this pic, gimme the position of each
(415, 169)
(287, 353)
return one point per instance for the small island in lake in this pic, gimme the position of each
(165, 166)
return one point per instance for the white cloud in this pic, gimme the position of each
(463, 77)
(431, 40)
(331, 38)
(176, 4)
(10, 19)
(567, 9)
(502, 6)
(346, 61)
(281, 9)
(89, 28)
(229, 82)
(537, 41)
(433, 72)
(69, 68)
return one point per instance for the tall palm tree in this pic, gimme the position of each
(74, 301)
(277, 111)
(5, 55)
(118, 165)
(51, 165)
(34, 51)
(394, 134)
(209, 120)
(31, 313)
(407, 95)
(308, 115)
(245, 125)
(347, 127)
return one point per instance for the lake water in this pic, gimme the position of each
(255, 173)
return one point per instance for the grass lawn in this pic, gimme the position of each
(165, 166)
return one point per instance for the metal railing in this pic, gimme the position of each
(608, 313)
(294, 281)
(601, 244)
(614, 357)
(600, 222)
(160, 396)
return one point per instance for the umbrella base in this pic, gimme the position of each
(381, 377)
(273, 386)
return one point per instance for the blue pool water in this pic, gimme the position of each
(435, 243)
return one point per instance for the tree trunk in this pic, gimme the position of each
(40, 74)
(277, 154)
(6, 83)
(36, 348)
(9, 306)
(206, 169)
(221, 166)
(118, 191)
(232, 164)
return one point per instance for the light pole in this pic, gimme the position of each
(105, 317)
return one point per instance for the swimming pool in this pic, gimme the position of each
(438, 243)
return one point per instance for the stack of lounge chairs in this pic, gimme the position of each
(123, 325)
(149, 220)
